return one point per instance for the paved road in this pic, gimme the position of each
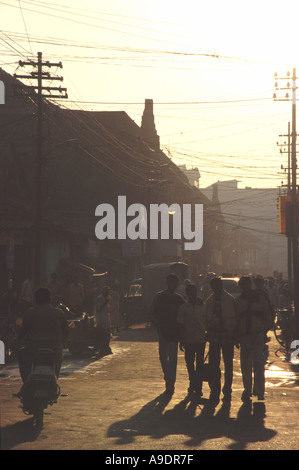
(115, 404)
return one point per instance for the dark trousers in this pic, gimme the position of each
(214, 363)
(103, 339)
(194, 357)
(168, 354)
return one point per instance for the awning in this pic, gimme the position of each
(81, 267)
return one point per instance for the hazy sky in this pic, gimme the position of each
(208, 66)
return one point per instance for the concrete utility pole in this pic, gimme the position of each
(36, 92)
(294, 210)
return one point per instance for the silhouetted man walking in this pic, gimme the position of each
(193, 338)
(254, 320)
(164, 314)
(221, 323)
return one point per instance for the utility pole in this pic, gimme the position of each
(294, 206)
(282, 151)
(37, 93)
(294, 211)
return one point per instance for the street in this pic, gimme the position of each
(115, 403)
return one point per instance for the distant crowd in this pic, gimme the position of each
(74, 299)
(277, 288)
(217, 319)
(78, 298)
(191, 316)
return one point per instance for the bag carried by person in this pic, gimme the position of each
(206, 371)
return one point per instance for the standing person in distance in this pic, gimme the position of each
(26, 295)
(56, 290)
(164, 315)
(103, 326)
(114, 307)
(75, 295)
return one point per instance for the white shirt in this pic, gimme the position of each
(192, 318)
(102, 312)
(26, 291)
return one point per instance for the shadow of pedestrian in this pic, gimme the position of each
(197, 420)
(14, 434)
(209, 424)
(145, 421)
(250, 426)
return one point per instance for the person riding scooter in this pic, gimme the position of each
(44, 326)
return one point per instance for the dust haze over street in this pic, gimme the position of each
(148, 176)
(115, 404)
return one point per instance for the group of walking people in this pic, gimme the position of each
(223, 323)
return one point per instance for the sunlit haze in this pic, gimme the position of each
(208, 66)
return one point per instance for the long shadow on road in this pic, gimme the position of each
(14, 434)
(183, 420)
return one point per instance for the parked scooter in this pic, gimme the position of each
(82, 335)
(41, 387)
(69, 315)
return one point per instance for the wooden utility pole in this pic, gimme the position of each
(38, 180)
(293, 205)
(290, 270)
(37, 93)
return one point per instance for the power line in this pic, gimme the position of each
(105, 28)
(68, 7)
(18, 52)
(171, 102)
(25, 25)
(37, 93)
(211, 55)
